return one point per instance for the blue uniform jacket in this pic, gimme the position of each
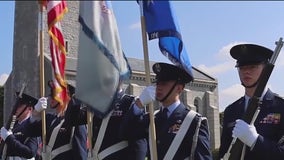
(79, 141)
(166, 131)
(269, 125)
(137, 148)
(19, 144)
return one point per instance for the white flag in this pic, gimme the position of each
(101, 61)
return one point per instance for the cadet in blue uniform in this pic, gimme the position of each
(263, 139)
(108, 133)
(64, 142)
(19, 145)
(181, 133)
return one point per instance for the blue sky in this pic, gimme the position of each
(209, 29)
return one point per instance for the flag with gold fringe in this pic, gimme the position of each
(55, 12)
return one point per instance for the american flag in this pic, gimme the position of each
(55, 12)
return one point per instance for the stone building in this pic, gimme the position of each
(200, 95)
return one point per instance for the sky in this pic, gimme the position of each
(208, 28)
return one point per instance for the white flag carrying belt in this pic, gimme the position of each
(50, 154)
(180, 135)
(110, 150)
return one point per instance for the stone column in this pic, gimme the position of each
(213, 119)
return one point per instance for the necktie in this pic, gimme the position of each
(162, 123)
(165, 114)
(247, 103)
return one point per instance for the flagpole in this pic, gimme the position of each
(152, 133)
(90, 132)
(42, 89)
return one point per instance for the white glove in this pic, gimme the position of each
(147, 95)
(245, 132)
(41, 104)
(5, 133)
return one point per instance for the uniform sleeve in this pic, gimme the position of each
(79, 143)
(138, 148)
(34, 129)
(226, 136)
(135, 126)
(266, 146)
(269, 148)
(202, 151)
(16, 148)
(75, 114)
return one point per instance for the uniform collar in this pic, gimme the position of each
(269, 95)
(247, 98)
(20, 122)
(263, 94)
(172, 107)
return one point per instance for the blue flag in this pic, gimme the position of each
(161, 23)
(102, 65)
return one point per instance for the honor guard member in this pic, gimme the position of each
(64, 141)
(181, 133)
(263, 139)
(19, 146)
(108, 138)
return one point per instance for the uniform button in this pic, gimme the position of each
(158, 141)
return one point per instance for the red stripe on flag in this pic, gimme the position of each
(56, 11)
(58, 38)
